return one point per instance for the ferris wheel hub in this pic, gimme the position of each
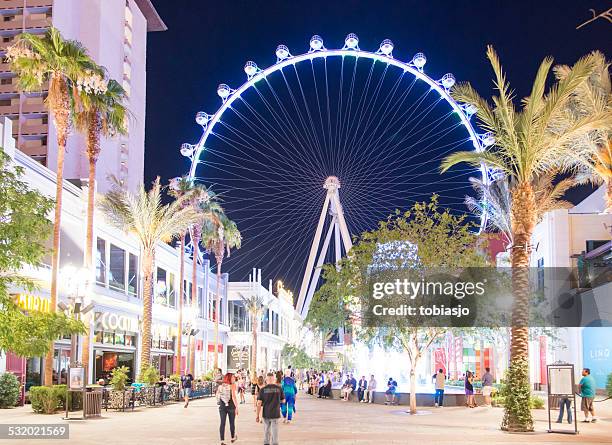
(331, 183)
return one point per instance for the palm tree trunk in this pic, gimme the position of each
(523, 223)
(194, 284)
(179, 335)
(147, 306)
(609, 196)
(254, 351)
(217, 312)
(61, 118)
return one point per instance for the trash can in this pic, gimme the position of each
(92, 403)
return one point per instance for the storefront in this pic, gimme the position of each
(162, 348)
(115, 341)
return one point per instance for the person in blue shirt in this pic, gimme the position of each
(290, 390)
(587, 392)
(390, 392)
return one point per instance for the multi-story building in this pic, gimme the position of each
(115, 321)
(115, 34)
(280, 324)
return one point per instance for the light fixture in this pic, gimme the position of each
(351, 41)
(282, 52)
(316, 43)
(419, 60)
(223, 91)
(447, 81)
(386, 47)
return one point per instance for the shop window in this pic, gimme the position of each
(61, 363)
(265, 321)
(187, 290)
(116, 276)
(161, 290)
(33, 372)
(171, 290)
(133, 275)
(101, 261)
(130, 340)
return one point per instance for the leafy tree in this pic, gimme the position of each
(297, 357)
(528, 142)
(64, 64)
(24, 227)
(144, 216)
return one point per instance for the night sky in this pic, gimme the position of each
(207, 43)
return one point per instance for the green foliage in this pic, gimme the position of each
(9, 390)
(208, 377)
(537, 403)
(175, 378)
(149, 374)
(296, 357)
(23, 232)
(119, 378)
(47, 399)
(609, 385)
(517, 403)
(326, 366)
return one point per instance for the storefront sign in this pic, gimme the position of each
(597, 353)
(109, 321)
(164, 332)
(77, 378)
(29, 302)
(237, 357)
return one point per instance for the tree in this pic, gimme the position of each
(297, 357)
(143, 215)
(527, 143)
(37, 59)
(220, 236)
(254, 305)
(101, 112)
(24, 228)
(591, 154)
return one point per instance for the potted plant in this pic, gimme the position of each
(120, 396)
(149, 375)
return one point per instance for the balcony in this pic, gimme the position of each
(9, 109)
(13, 4)
(38, 3)
(32, 22)
(34, 148)
(14, 23)
(34, 129)
(33, 108)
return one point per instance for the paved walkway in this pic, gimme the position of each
(317, 422)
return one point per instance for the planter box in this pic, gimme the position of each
(120, 399)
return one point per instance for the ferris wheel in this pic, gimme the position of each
(377, 124)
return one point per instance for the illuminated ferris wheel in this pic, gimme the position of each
(377, 124)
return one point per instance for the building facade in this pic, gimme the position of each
(280, 324)
(115, 34)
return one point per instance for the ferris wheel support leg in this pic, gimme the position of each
(319, 266)
(312, 256)
(346, 236)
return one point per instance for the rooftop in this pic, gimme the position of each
(154, 21)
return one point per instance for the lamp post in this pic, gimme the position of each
(190, 331)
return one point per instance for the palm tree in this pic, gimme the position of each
(592, 153)
(220, 236)
(495, 203)
(255, 307)
(38, 59)
(525, 146)
(98, 114)
(143, 215)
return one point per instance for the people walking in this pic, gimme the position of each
(186, 384)
(228, 406)
(269, 401)
(257, 387)
(487, 386)
(290, 391)
(587, 392)
(368, 395)
(440, 381)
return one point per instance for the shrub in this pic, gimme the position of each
(537, 403)
(119, 378)
(44, 399)
(175, 378)
(517, 405)
(609, 385)
(9, 390)
(149, 375)
(208, 377)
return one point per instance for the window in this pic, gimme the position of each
(8, 18)
(187, 290)
(594, 244)
(265, 321)
(6, 81)
(116, 276)
(161, 291)
(540, 274)
(171, 290)
(101, 261)
(211, 305)
(132, 285)
(200, 303)
(5, 102)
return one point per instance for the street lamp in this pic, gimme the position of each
(190, 331)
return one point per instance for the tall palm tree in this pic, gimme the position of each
(254, 305)
(525, 146)
(143, 215)
(592, 153)
(494, 200)
(98, 114)
(38, 59)
(220, 237)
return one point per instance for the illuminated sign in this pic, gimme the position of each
(109, 321)
(28, 302)
(283, 293)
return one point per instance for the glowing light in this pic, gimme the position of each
(386, 47)
(447, 81)
(488, 139)
(419, 60)
(316, 43)
(471, 109)
(250, 68)
(223, 91)
(352, 41)
(282, 52)
(202, 118)
(187, 150)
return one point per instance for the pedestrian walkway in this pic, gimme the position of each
(316, 422)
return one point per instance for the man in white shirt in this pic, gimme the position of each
(368, 395)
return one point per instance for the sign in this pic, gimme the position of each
(76, 379)
(163, 332)
(29, 302)
(440, 359)
(543, 349)
(561, 386)
(597, 353)
(237, 357)
(109, 321)
(560, 380)
(211, 347)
